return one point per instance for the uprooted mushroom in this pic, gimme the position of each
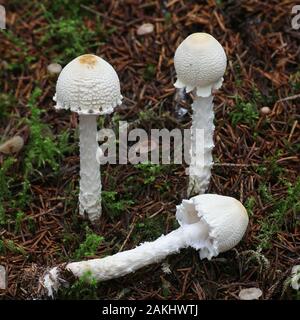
(209, 223)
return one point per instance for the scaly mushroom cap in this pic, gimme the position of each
(88, 85)
(225, 217)
(200, 62)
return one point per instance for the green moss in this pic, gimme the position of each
(90, 245)
(85, 288)
(114, 204)
(245, 112)
(276, 220)
(149, 72)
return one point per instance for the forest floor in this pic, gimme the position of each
(256, 155)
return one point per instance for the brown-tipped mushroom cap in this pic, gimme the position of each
(88, 85)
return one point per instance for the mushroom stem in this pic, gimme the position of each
(145, 254)
(129, 261)
(200, 168)
(90, 179)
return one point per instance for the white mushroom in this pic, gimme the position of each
(200, 63)
(89, 86)
(209, 223)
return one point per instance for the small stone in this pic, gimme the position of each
(295, 279)
(54, 68)
(3, 278)
(181, 112)
(265, 110)
(250, 294)
(145, 28)
(13, 145)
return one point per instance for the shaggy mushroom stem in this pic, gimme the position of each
(200, 169)
(123, 263)
(145, 254)
(90, 179)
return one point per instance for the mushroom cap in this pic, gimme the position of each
(88, 85)
(225, 217)
(200, 62)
